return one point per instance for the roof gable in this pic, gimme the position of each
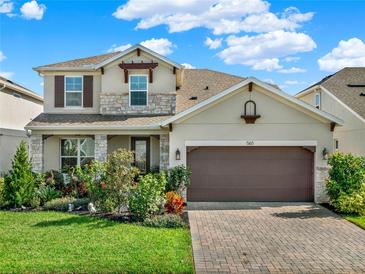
(282, 95)
(98, 61)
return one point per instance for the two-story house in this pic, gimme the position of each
(18, 106)
(245, 140)
(343, 95)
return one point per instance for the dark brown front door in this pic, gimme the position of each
(250, 174)
(141, 148)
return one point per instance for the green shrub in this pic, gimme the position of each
(346, 181)
(109, 184)
(2, 199)
(148, 197)
(166, 221)
(20, 182)
(352, 203)
(178, 178)
(47, 193)
(61, 204)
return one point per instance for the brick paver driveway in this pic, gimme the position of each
(275, 238)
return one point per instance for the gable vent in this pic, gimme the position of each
(193, 98)
(356, 85)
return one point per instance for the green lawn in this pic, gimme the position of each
(358, 220)
(61, 242)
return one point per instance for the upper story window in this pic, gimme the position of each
(138, 90)
(73, 91)
(317, 99)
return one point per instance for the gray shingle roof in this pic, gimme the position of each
(82, 62)
(97, 120)
(338, 83)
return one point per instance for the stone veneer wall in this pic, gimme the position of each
(36, 152)
(158, 103)
(101, 147)
(320, 185)
(164, 151)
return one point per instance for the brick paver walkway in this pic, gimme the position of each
(275, 238)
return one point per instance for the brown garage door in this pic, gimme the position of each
(250, 174)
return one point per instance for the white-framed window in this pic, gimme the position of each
(73, 91)
(138, 89)
(336, 144)
(76, 152)
(317, 100)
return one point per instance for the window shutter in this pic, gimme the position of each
(88, 91)
(59, 91)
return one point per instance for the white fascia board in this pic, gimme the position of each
(343, 104)
(129, 50)
(144, 127)
(238, 143)
(21, 90)
(299, 102)
(243, 83)
(40, 69)
(307, 91)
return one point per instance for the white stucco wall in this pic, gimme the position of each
(279, 122)
(16, 112)
(351, 135)
(9, 141)
(164, 81)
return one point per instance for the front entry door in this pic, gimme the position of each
(141, 148)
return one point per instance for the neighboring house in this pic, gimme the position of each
(140, 100)
(343, 95)
(18, 106)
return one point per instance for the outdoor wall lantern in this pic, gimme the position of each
(325, 154)
(177, 155)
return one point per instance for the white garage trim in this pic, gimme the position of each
(190, 143)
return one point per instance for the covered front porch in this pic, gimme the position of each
(61, 151)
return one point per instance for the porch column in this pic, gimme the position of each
(101, 146)
(36, 152)
(164, 151)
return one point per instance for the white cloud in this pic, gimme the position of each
(114, 47)
(291, 82)
(213, 43)
(33, 10)
(350, 53)
(265, 64)
(262, 52)
(188, 66)
(291, 59)
(6, 74)
(6, 6)
(292, 70)
(221, 16)
(162, 46)
(2, 56)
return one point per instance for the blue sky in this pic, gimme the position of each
(291, 43)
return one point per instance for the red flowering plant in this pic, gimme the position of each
(174, 203)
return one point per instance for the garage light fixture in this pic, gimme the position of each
(325, 154)
(177, 155)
